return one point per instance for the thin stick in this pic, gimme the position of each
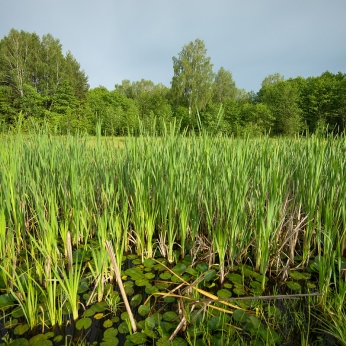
(120, 284)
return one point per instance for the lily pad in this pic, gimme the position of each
(240, 315)
(136, 300)
(137, 338)
(294, 286)
(110, 334)
(209, 274)
(295, 275)
(83, 323)
(6, 301)
(235, 278)
(21, 329)
(107, 323)
(169, 316)
(143, 310)
(135, 273)
(224, 293)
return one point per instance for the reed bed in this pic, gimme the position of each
(274, 204)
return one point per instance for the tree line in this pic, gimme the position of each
(41, 85)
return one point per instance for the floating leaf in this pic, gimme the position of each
(165, 275)
(135, 273)
(169, 316)
(235, 278)
(310, 285)
(240, 315)
(150, 322)
(36, 338)
(149, 289)
(149, 275)
(58, 338)
(100, 307)
(169, 299)
(137, 338)
(294, 286)
(98, 316)
(202, 267)
(21, 329)
(149, 263)
(179, 269)
(110, 334)
(239, 291)
(224, 293)
(83, 323)
(89, 312)
(113, 342)
(191, 271)
(295, 275)
(17, 313)
(136, 300)
(107, 323)
(123, 328)
(143, 310)
(209, 274)
(213, 322)
(141, 282)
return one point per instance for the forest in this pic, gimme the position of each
(40, 86)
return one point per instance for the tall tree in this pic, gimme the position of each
(193, 76)
(224, 86)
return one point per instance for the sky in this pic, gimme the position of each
(134, 39)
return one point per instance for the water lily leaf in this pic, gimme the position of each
(137, 261)
(191, 271)
(135, 273)
(235, 278)
(89, 312)
(143, 310)
(239, 291)
(21, 329)
(240, 315)
(224, 293)
(138, 338)
(129, 290)
(310, 285)
(107, 323)
(294, 286)
(36, 338)
(209, 274)
(149, 289)
(141, 282)
(149, 263)
(58, 338)
(132, 256)
(169, 316)
(149, 332)
(136, 300)
(49, 335)
(165, 275)
(84, 322)
(295, 275)
(98, 316)
(123, 328)
(83, 286)
(227, 285)
(149, 275)
(256, 285)
(11, 323)
(100, 307)
(161, 285)
(110, 334)
(19, 342)
(169, 299)
(259, 277)
(202, 267)
(179, 269)
(150, 322)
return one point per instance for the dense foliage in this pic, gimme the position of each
(38, 81)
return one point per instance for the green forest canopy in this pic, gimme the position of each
(47, 87)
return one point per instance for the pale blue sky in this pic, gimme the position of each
(133, 39)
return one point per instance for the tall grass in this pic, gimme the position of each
(248, 197)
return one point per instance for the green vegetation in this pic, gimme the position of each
(50, 89)
(214, 237)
